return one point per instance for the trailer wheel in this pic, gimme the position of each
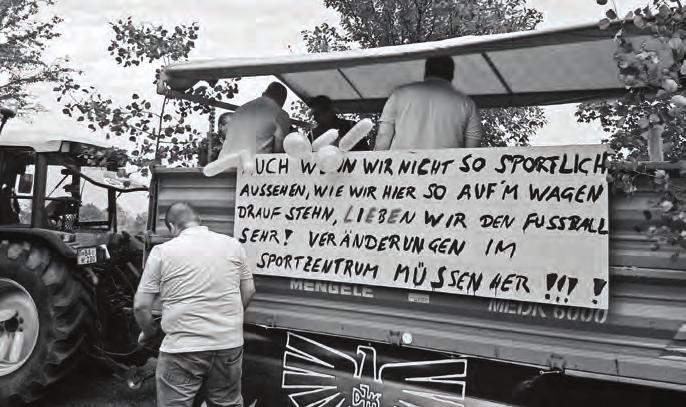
(44, 313)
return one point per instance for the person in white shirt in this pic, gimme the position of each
(260, 125)
(430, 114)
(204, 284)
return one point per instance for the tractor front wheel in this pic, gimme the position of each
(44, 313)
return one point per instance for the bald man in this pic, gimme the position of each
(204, 284)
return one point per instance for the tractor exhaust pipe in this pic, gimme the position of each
(5, 114)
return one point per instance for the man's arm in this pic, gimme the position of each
(247, 291)
(247, 285)
(384, 137)
(147, 292)
(386, 132)
(473, 131)
(283, 123)
(142, 310)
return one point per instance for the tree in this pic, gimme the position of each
(91, 213)
(378, 23)
(160, 128)
(653, 109)
(23, 38)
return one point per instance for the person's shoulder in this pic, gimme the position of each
(162, 247)
(250, 103)
(243, 109)
(406, 92)
(408, 87)
(229, 240)
(462, 97)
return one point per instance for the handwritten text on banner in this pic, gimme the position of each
(529, 224)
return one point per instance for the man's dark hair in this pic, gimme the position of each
(441, 67)
(321, 102)
(277, 92)
(181, 214)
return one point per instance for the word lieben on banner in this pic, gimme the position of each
(528, 224)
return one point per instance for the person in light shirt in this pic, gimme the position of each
(204, 283)
(258, 126)
(430, 114)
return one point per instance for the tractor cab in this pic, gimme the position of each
(61, 190)
(61, 260)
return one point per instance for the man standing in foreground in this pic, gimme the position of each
(204, 284)
(430, 114)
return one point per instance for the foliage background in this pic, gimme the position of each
(378, 23)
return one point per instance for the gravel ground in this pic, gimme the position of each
(93, 388)
(90, 388)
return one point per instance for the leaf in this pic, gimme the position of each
(135, 96)
(601, 2)
(132, 138)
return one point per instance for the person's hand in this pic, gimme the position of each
(152, 339)
(142, 339)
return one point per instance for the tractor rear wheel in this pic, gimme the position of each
(44, 315)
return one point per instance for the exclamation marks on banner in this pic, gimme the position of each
(598, 287)
(288, 233)
(563, 284)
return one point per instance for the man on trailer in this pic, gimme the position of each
(261, 121)
(444, 116)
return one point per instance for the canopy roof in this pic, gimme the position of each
(540, 67)
(46, 144)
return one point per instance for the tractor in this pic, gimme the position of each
(67, 279)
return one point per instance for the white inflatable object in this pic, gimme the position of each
(247, 163)
(297, 145)
(356, 134)
(328, 138)
(223, 163)
(329, 158)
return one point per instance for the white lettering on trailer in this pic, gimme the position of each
(358, 378)
(598, 316)
(332, 288)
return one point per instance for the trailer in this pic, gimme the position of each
(320, 342)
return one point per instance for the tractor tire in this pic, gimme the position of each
(30, 273)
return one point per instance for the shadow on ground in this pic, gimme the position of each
(89, 387)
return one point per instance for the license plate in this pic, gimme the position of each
(87, 256)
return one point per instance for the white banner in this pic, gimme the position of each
(522, 223)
